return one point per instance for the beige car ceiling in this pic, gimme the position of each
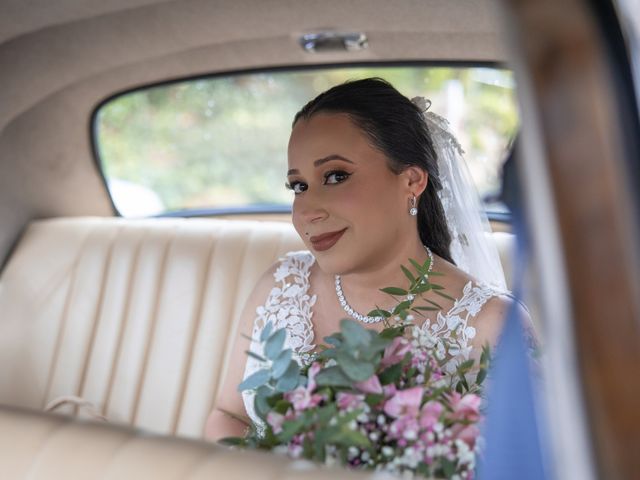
(60, 58)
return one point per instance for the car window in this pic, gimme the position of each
(218, 144)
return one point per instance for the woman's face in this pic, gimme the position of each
(349, 208)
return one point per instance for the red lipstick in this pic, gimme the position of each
(323, 242)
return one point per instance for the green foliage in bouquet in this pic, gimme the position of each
(386, 400)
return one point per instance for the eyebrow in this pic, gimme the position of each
(320, 161)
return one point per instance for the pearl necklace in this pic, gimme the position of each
(366, 318)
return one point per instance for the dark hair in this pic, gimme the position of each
(396, 127)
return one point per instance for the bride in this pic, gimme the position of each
(377, 180)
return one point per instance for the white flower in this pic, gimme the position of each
(386, 451)
(410, 434)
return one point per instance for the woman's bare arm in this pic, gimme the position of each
(228, 417)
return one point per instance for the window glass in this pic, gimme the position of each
(217, 144)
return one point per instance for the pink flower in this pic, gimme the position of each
(395, 352)
(405, 428)
(275, 420)
(301, 398)
(349, 401)
(419, 358)
(389, 390)
(371, 385)
(465, 408)
(430, 414)
(404, 402)
(467, 433)
(311, 376)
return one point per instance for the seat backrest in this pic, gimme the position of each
(134, 317)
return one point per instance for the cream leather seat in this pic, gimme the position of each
(46, 447)
(131, 317)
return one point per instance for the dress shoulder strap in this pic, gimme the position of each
(289, 304)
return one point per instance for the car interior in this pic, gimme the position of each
(115, 329)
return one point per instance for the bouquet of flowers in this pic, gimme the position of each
(395, 400)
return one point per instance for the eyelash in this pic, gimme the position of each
(338, 173)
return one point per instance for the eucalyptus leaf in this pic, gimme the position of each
(401, 306)
(233, 441)
(307, 447)
(349, 437)
(464, 383)
(422, 288)
(466, 365)
(448, 297)
(255, 380)
(434, 304)
(281, 363)
(327, 354)
(448, 468)
(281, 406)
(266, 331)
(426, 309)
(274, 344)
(357, 371)
(289, 429)
(391, 374)
(333, 376)
(373, 399)
(378, 312)
(335, 339)
(408, 274)
(289, 380)
(394, 291)
(391, 333)
(326, 413)
(354, 333)
(256, 356)
(261, 406)
(417, 266)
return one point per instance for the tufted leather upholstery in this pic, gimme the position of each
(133, 317)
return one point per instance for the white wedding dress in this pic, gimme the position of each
(290, 306)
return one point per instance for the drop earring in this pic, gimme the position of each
(413, 210)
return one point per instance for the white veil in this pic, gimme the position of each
(471, 246)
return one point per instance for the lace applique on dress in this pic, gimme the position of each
(288, 306)
(455, 324)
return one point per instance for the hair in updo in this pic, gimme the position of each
(396, 127)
